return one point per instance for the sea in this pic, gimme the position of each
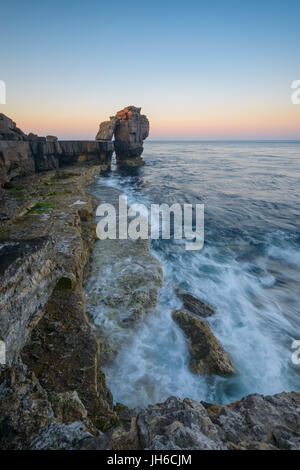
(248, 269)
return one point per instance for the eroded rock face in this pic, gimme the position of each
(16, 160)
(107, 129)
(22, 155)
(255, 422)
(9, 130)
(130, 128)
(52, 372)
(207, 355)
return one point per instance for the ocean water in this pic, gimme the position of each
(248, 269)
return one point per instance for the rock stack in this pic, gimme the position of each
(130, 129)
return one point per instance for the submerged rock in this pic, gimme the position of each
(123, 286)
(193, 304)
(207, 355)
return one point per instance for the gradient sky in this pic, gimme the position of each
(199, 70)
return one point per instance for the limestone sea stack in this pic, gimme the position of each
(130, 129)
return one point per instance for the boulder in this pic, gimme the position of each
(207, 355)
(193, 304)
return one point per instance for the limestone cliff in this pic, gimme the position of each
(22, 155)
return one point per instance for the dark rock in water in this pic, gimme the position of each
(193, 304)
(107, 129)
(207, 355)
(132, 128)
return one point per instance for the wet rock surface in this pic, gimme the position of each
(136, 276)
(207, 355)
(193, 304)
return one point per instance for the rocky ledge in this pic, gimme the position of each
(253, 423)
(52, 384)
(23, 155)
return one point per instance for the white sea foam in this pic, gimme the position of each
(253, 282)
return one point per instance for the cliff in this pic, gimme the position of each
(22, 155)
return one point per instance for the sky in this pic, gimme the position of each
(218, 69)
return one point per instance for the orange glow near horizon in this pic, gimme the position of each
(211, 123)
